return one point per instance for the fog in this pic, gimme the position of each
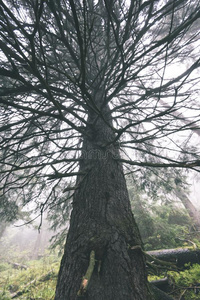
(32, 243)
(195, 190)
(27, 240)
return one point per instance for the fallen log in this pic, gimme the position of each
(24, 290)
(17, 266)
(42, 278)
(162, 284)
(159, 294)
(178, 256)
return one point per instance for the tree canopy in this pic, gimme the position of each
(86, 86)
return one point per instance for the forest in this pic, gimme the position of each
(29, 259)
(99, 149)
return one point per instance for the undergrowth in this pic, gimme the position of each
(37, 282)
(187, 283)
(184, 285)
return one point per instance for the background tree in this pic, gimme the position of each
(82, 82)
(162, 220)
(9, 212)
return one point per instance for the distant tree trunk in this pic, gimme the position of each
(37, 246)
(2, 228)
(191, 209)
(102, 222)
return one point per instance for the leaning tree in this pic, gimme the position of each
(86, 87)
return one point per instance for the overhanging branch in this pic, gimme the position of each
(186, 164)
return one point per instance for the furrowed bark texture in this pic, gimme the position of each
(102, 222)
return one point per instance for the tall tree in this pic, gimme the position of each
(82, 82)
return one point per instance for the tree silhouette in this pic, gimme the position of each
(85, 85)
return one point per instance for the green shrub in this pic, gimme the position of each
(187, 283)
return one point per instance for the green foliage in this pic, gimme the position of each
(184, 284)
(37, 282)
(162, 223)
(166, 234)
(187, 283)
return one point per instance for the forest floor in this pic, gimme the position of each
(36, 279)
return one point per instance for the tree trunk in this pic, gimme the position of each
(189, 206)
(102, 223)
(2, 228)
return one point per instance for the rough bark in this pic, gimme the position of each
(178, 257)
(102, 221)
